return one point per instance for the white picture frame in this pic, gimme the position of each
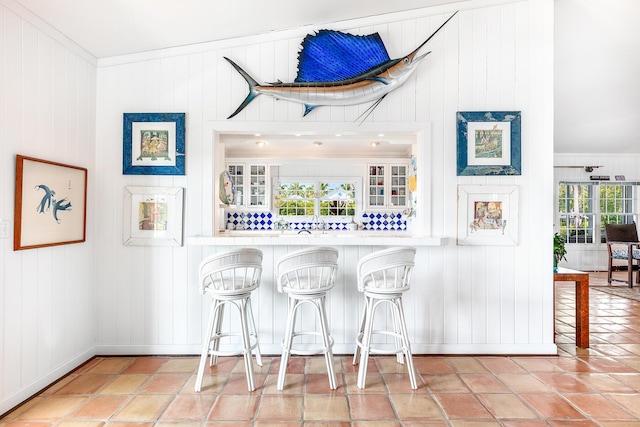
(488, 215)
(153, 216)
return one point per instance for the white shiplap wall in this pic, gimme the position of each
(495, 55)
(591, 257)
(492, 56)
(47, 296)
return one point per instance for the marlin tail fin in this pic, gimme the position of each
(250, 81)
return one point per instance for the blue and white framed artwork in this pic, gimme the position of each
(489, 143)
(153, 144)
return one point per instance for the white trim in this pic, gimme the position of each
(274, 349)
(422, 151)
(28, 390)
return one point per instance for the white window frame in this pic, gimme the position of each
(595, 212)
(356, 181)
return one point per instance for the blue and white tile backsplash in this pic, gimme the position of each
(372, 221)
(251, 220)
(384, 221)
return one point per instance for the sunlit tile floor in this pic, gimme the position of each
(598, 386)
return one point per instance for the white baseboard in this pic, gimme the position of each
(9, 402)
(275, 349)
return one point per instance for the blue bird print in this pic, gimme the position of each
(45, 203)
(60, 205)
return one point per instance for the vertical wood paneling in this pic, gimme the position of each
(28, 132)
(480, 60)
(45, 313)
(523, 307)
(147, 296)
(494, 59)
(507, 58)
(6, 162)
(12, 127)
(47, 303)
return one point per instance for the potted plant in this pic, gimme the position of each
(559, 251)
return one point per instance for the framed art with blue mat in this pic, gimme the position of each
(488, 143)
(153, 144)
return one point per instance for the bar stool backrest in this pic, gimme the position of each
(388, 270)
(236, 271)
(308, 270)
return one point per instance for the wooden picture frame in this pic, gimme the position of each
(50, 204)
(153, 144)
(488, 143)
(488, 215)
(153, 216)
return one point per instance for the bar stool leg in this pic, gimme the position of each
(217, 330)
(356, 353)
(246, 343)
(327, 342)
(206, 343)
(255, 332)
(406, 346)
(287, 341)
(366, 342)
(397, 332)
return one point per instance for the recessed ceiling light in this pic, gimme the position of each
(257, 134)
(381, 135)
(317, 143)
(261, 143)
(374, 144)
(338, 134)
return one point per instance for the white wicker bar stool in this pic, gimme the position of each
(306, 276)
(229, 278)
(383, 277)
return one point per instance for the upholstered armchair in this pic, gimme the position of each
(622, 244)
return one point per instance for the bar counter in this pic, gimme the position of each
(339, 238)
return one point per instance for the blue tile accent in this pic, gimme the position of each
(383, 221)
(374, 221)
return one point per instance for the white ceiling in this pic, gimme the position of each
(597, 48)
(115, 27)
(597, 69)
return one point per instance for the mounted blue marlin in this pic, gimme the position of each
(336, 68)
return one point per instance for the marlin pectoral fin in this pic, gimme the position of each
(369, 110)
(378, 79)
(308, 108)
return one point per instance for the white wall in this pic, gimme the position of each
(591, 257)
(494, 55)
(47, 296)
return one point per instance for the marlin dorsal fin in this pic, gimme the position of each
(330, 56)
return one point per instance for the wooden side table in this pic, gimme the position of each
(582, 301)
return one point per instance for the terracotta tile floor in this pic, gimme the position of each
(598, 386)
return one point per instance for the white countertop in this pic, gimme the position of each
(340, 238)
